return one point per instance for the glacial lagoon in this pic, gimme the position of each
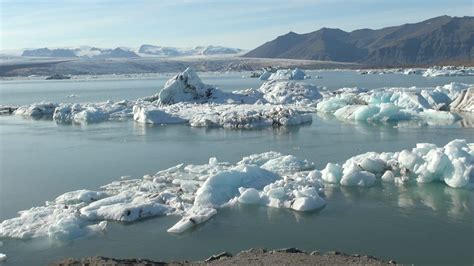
(412, 223)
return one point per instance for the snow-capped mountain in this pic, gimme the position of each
(84, 51)
(122, 52)
(164, 51)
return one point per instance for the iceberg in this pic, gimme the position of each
(92, 112)
(432, 105)
(186, 99)
(197, 192)
(221, 115)
(277, 102)
(464, 102)
(37, 110)
(145, 115)
(265, 75)
(184, 87)
(448, 71)
(290, 92)
(287, 74)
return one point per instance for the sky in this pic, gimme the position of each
(186, 23)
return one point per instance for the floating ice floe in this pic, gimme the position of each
(288, 74)
(397, 104)
(464, 102)
(186, 99)
(37, 110)
(193, 191)
(3, 257)
(197, 192)
(275, 103)
(221, 115)
(434, 71)
(78, 112)
(93, 112)
(448, 71)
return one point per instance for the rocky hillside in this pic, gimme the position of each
(437, 40)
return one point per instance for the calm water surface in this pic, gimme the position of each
(40, 160)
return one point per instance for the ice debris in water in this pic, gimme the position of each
(186, 99)
(464, 102)
(275, 103)
(3, 257)
(451, 164)
(221, 115)
(196, 192)
(446, 71)
(80, 113)
(396, 104)
(281, 102)
(287, 74)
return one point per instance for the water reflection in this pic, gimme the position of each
(434, 197)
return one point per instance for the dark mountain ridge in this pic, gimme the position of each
(437, 40)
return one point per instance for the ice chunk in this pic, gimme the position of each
(353, 175)
(261, 158)
(80, 196)
(332, 173)
(92, 112)
(265, 75)
(298, 74)
(227, 115)
(373, 165)
(69, 228)
(194, 217)
(333, 104)
(153, 115)
(57, 221)
(307, 203)
(388, 176)
(464, 102)
(3, 257)
(448, 71)
(408, 159)
(37, 110)
(397, 104)
(222, 187)
(184, 87)
(287, 164)
(288, 74)
(249, 196)
(125, 207)
(290, 92)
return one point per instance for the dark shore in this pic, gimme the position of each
(288, 256)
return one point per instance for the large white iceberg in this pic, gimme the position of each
(186, 86)
(197, 192)
(221, 115)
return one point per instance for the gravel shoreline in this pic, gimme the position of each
(255, 256)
